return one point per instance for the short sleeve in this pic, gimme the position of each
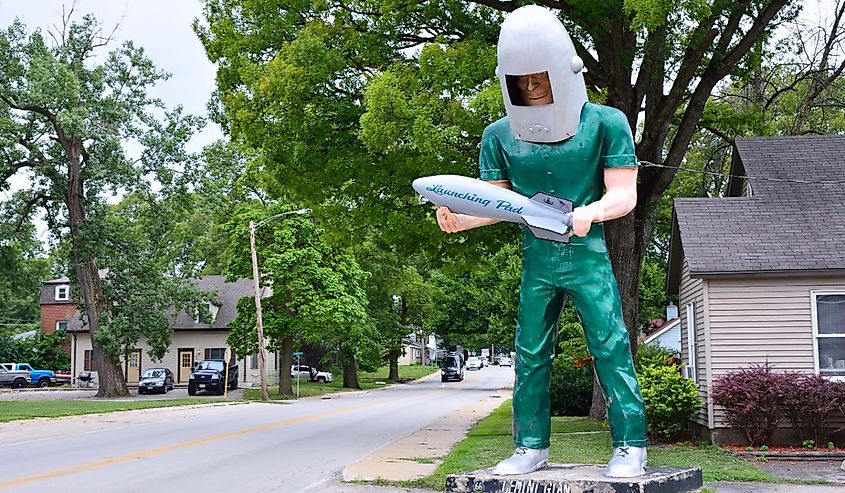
(618, 143)
(491, 161)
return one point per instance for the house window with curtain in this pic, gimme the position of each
(829, 332)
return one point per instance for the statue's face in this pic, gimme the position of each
(536, 89)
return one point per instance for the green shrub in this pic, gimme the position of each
(572, 380)
(649, 355)
(670, 400)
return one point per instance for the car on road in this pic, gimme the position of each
(210, 375)
(505, 361)
(474, 363)
(451, 368)
(310, 373)
(156, 380)
(15, 379)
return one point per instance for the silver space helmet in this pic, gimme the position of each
(533, 40)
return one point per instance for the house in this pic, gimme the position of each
(192, 340)
(418, 350)
(666, 336)
(760, 274)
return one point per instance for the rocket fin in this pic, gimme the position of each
(547, 229)
(552, 201)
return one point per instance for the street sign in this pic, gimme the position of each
(297, 353)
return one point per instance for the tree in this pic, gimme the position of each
(400, 297)
(308, 84)
(64, 119)
(317, 292)
(24, 269)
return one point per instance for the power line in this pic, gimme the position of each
(648, 164)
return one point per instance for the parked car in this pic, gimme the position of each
(451, 368)
(474, 363)
(505, 361)
(310, 373)
(39, 378)
(210, 375)
(14, 379)
(156, 380)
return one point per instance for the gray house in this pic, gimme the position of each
(760, 274)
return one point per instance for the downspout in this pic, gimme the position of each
(73, 371)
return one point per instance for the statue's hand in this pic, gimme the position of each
(450, 222)
(583, 219)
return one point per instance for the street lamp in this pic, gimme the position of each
(259, 323)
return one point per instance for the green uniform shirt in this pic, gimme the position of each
(572, 169)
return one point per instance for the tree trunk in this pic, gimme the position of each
(110, 378)
(285, 362)
(393, 361)
(350, 369)
(598, 409)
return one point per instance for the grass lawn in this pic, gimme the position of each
(14, 410)
(367, 380)
(582, 441)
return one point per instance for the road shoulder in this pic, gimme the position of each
(417, 455)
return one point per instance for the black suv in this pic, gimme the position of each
(452, 368)
(210, 375)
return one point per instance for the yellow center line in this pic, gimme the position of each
(119, 459)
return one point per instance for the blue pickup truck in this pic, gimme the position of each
(39, 378)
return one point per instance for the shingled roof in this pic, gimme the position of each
(226, 297)
(782, 228)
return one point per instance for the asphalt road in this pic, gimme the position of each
(299, 447)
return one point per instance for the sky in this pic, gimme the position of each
(161, 27)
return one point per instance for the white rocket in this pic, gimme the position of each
(546, 216)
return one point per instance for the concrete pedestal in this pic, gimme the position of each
(576, 478)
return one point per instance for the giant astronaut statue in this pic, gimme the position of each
(556, 142)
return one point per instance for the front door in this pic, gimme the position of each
(133, 367)
(186, 364)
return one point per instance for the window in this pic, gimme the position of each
(61, 325)
(692, 348)
(253, 362)
(218, 353)
(89, 364)
(829, 332)
(207, 317)
(62, 292)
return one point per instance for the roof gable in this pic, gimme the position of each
(786, 227)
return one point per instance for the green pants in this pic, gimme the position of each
(552, 272)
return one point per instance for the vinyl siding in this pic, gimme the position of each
(758, 320)
(693, 291)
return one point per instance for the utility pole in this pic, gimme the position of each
(256, 283)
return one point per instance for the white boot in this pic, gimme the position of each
(523, 461)
(627, 462)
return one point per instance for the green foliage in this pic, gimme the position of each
(670, 400)
(317, 293)
(571, 384)
(477, 305)
(24, 268)
(652, 355)
(42, 351)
